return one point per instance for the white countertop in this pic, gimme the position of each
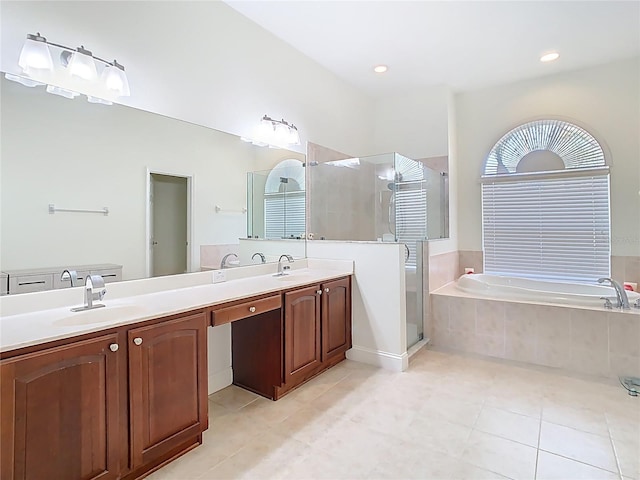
(36, 327)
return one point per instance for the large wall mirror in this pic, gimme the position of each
(152, 174)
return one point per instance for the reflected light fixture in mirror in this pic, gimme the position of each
(75, 71)
(274, 133)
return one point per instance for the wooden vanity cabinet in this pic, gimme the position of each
(336, 318)
(76, 412)
(60, 411)
(167, 386)
(302, 333)
(279, 342)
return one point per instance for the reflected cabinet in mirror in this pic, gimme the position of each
(89, 186)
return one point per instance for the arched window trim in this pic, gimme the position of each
(573, 144)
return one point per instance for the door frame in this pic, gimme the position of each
(190, 189)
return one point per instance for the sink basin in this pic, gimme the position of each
(293, 277)
(99, 315)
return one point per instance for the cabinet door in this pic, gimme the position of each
(167, 385)
(336, 318)
(60, 414)
(301, 333)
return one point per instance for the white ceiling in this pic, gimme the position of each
(463, 44)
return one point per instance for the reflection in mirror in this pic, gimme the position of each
(94, 165)
(385, 197)
(276, 211)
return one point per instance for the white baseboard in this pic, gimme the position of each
(389, 361)
(220, 380)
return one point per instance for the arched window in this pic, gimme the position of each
(284, 201)
(545, 204)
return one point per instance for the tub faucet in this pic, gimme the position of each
(283, 268)
(261, 255)
(223, 263)
(623, 300)
(72, 275)
(94, 289)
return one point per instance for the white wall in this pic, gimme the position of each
(604, 100)
(202, 62)
(421, 124)
(379, 325)
(413, 123)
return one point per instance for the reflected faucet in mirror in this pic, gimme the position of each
(94, 289)
(223, 263)
(70, 275)
(261, 255)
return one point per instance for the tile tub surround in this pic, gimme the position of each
(589, 341)
(625, 269)
(449, 416)
(470, 258)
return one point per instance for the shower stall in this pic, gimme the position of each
(384, 198)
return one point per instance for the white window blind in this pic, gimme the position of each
(284, 215)
(552, 228)
(411, 217)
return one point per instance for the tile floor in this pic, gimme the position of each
(449, 416)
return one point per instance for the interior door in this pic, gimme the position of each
(169, 213)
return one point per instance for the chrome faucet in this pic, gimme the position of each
(94, 289)
(282, 269)
(261, 255)
(72, 275)
(223, 263)
(623, 300)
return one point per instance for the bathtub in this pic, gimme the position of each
(526, 290)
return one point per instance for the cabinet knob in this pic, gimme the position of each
(113, 347)
(137, 341)
(252, 309)
(326, 290)
(319, 292)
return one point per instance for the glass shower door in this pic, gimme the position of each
(410, 206)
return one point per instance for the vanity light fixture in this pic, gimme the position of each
(74, 72)
(274, 133)
(549, 57)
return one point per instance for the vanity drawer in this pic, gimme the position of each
(30, 283)
(245, 309)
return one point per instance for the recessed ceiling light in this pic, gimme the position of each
(549, 57)
(380, 68)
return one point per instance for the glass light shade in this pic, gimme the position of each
(281, 134)
(35, 54)
(101, 101)
(264, 132)
(294, 136)
(83, 66)
(115, 79)
(63, 92)
(27, 82)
